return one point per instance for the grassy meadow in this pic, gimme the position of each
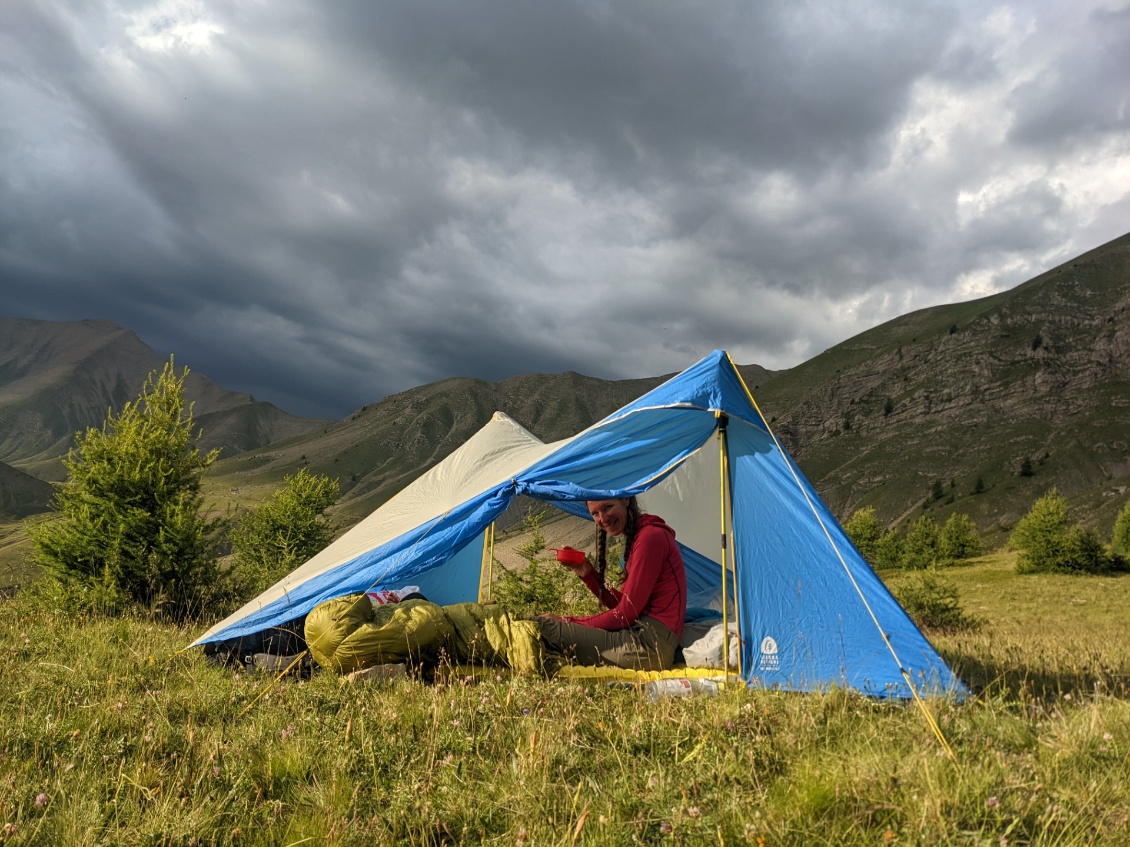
(110, 735)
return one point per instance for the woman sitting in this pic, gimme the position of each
(644, 619)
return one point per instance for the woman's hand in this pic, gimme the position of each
(581, 569)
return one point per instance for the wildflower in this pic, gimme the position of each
(992, 802)
(665, 828)
(286, 733)
(1004, 841)
(522, 835)
(9, 829)
(1107, 736)
(693, 812)
(216, 770)
(41, 800)
(455, 723)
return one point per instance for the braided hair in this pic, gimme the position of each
(630, 528)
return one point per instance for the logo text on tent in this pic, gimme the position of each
(769, 660)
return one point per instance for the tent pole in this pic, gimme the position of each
(729, 506)
(487, 563)
(723, 511)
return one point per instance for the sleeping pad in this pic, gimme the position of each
(350, 633)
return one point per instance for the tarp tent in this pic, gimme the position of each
(757, 539)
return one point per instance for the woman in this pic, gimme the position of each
(644, 619)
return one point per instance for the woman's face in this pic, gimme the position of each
(610, 515)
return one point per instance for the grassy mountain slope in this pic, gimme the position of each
(1036, 377)
(57, 379)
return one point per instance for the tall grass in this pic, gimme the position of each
(109, 735)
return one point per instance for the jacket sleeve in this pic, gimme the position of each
(644, 567)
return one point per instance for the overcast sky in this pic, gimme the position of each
(326, 202)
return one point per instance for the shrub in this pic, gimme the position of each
(128, 524)
(1120, 542)
(888, 552)
(959, 539)
(286, 530)
(1047, 541)
(921, 547)
(933, 603)
(865, 532)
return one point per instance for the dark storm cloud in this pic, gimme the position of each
(326, 203)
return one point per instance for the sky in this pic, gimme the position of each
(323, 203)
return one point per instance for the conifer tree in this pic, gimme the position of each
(128, 521)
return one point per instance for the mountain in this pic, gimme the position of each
(57, 379)
(21, 494)
(977, 407)
(1005, 396)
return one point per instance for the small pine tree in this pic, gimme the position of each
(1048, 541)
(937, 490)
(128, 523)
(542, 585)
(1026, 467)
(1040, 537)
(888, 552)
(979, 486)
(933, 603)
(959, 539)
(865, 532)
(1120, 542)
(920, 548)
(286, 530)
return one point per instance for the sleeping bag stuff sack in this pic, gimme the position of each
(350, 633)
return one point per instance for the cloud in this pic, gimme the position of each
(326, 203)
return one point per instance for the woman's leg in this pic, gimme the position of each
(647, 646)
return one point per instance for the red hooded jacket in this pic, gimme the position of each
(656, 585)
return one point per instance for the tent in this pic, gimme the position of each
(758, 542)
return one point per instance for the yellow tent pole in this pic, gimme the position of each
(725, 537)
(729, 511)
(487, 563)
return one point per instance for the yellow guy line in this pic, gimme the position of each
(933, 724)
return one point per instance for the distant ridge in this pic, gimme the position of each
(57, 379)
(21, 494)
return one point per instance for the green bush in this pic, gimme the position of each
(1047, 541)
(284, 531)
(933, 603)
(865, 532)
(959, 539)
(921, 548)
(128, 525)
(1120, 542)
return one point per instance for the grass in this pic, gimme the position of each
(109, 735)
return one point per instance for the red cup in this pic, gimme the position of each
(569, 556)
